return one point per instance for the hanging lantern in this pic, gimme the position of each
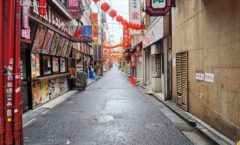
(124, 22)
(42, 7)
(119, 19)
(113, 13)
(105, 6)
(95, 1)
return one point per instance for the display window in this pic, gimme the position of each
(39, 39)
(46, 65)
(60, 46)
(56, 66)
(35, 65)
(65, 48)
(69, 49)
(63, 65)
(47, 42)
(54, 45)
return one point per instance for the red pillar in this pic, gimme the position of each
(1, 77)
(9, 15)
(17, 126)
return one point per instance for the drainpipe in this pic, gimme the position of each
(9, 14)
(1, 76)
(17, 110)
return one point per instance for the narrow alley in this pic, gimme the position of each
(111, 111)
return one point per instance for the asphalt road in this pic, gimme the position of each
(110, 112)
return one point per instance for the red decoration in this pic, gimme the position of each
(119, 19)
(113, 13)
(42, 7)
(95, 1)
(105, 6)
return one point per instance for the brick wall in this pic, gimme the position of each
(210, 31)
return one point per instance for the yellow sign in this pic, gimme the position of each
(238, 143)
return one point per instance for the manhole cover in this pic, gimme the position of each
(155, 126)
(102, 119)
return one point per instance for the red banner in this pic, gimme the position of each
(125, 36)
(94, 17)
(74, 8)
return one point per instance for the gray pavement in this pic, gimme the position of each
(110, 112)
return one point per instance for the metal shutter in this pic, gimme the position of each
(182, 80)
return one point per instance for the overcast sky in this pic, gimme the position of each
(114, 28)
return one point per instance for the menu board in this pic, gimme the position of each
(47, 42)
(60, 45)
(63, 65)
(69, 49)
(65, 48)
(35, 65)
(55, 42)
(39, 38)
(55, 62)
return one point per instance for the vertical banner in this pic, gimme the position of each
(94, 17)
(125, 36)
(74, 8)
(135, 14)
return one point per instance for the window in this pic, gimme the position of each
(156, 66)
(46, 65)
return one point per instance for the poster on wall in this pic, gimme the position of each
(65, 47)
(62, 65)
(69, 49)
(39, 38)
(57, 87)
(60, 46)
(55, 42)
(44, 91)
(55, 62)
(36, 94)
(35, 65)
(47, 42)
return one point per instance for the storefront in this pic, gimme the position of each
(156, 54)
(46, 45)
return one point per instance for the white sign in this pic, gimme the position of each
(26, 33)
(158, 4)
(154, 33)
(209, 77)
(135, 14)
(200, 76)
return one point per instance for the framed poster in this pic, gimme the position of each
(35, 65)
(46, 65)
(63, 65)
(55, 42)
(60, 46)
(55, 63)
(69, 49)
(44, 91)
(47, 42)
(39, 38)
(36, 94)
(65, 48)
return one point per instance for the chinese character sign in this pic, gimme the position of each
(94, 17)
(74, 8)
(159, 4)
(87, 31)
(125, 36)
(135, 13)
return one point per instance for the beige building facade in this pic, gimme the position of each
(206, 62)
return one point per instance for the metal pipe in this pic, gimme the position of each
(9, 14)
(17, 116)
(1, 77)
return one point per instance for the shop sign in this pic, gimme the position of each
(52, 19)
(74, 8)
(26, 33)
(25, 20)
(209, 77)
(94, 17)
(87, 31)
(200, 76)
(158, 7)
(125, 36)
(154, 33)
(135, 14)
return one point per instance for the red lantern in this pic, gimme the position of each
(42, 7)
(105, 6)
(113, 13)
(95, 1)
(143, 26)
(124, 22)
(119, 19)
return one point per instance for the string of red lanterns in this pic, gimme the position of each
(120, 44)
(113, 13)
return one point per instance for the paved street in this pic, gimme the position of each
(110, 112)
